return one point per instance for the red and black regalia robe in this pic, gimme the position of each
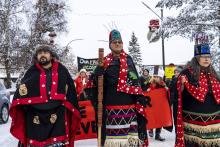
(160, 114)
(44, 109)
(121, 102)
(198, 117)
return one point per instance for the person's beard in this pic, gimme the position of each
(44, 61)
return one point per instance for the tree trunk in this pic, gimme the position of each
(8, 74)
(7, 47)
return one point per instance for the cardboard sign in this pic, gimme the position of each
(87, 128)
(169, 71)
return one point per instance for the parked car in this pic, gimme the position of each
(4, 103)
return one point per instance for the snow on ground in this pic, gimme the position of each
(7, 140)
(152, 143)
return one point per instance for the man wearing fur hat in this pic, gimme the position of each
(124, 120)
(44, 109)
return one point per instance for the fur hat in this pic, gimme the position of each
(45, 48)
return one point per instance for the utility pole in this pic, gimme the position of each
(162, 38)
(66, 47)
(162, 32)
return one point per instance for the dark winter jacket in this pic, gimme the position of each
(144, 81)
(173, 90)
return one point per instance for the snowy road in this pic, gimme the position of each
(7, 140)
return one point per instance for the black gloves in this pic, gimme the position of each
(142, 130)
(99, 71)
(144, 100)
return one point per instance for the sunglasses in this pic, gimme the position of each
(115, 42)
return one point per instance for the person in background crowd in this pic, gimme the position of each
(174, 92)
(80, 83)
(156, 82)
(44, 108)
(198, 116)
(144, 80)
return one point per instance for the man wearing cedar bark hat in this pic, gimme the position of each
(124, 120)
(44, 109)
(198, 115)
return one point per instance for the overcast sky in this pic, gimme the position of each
(91, 20)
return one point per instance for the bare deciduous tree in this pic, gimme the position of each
(10, 33)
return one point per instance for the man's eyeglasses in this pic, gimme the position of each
(115, 42)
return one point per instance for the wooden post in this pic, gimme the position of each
(100, 97)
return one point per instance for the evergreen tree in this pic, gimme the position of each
(134, 50)
(216, 58)
(195, 16)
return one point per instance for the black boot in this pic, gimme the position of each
(151, 133)
(20, 144)
(157, 136)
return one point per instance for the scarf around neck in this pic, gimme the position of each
(123, 72)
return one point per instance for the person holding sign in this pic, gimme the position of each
(45, 109)
(124, 120)
(198, 115)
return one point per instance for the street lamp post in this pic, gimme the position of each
(162, 31)
(103, 41)
(72, 41)
(162, 38)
